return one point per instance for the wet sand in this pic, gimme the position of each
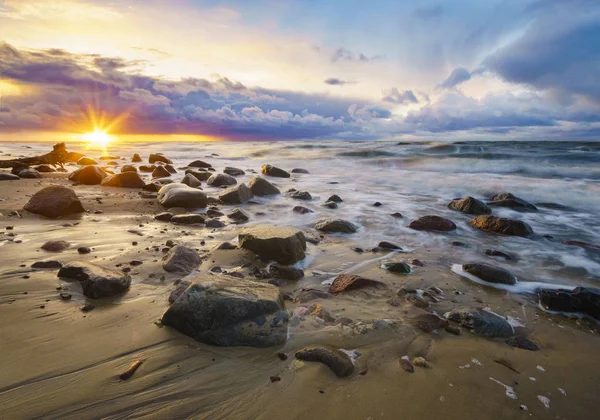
(59, 362)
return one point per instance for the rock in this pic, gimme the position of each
(199, 164)
(397, 215)
(238, 215)
(84, 161)
(180, 195)
(96, 282)
(227, 311)
(432, 223)
(200, 175)
(271, 243)
(160, 172)
(124, 180)
(44, 168)
(181, 259)
(156, 157)
(299, 171)
(345, 282)
(502, 225)
(55, 246)
(29, 173)
(581, 244)
(226, 246)
(406, 365)
(51, 264)
(307, 295)
(136, 158)
(496, 253)
(302, 210)
(147, 168)
(54, 202)
(336, 360)
(490, 273)
(388, 245)
(128, 168)
(584, 300)
(84, 250)
(214, 223)
(452, 329)
(261, 187)
(420, 362)
(191, 181)
(89, 175)
(510, 201)
(219, 180)
(396, 267)
(377, 204)
(470, 205)
(188, 219)
(273, 171)
(335, 225)
(285, 272)
(481, 322)
(171, 169)
(555, 206)
(237, 194)
(416, 262)
(522, 343)
(330, 205)
(8, 177)
(109, 157)
(427, 321)
(164, 216)
(74, 156)
(335, 198)
(233, 171)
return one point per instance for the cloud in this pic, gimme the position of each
(458, 76)
(338, 82)
(342, 54)
(394, 96)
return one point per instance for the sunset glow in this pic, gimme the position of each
(98, 138)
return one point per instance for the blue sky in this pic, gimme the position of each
(303, 69)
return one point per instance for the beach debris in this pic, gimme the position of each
(540, 368)
(420, 362)
(274, 379)
(345, 282)
(406, 365)
(481, 322)
(544, 400)
(282, 356)
(337, 360)
(506, 363)
(509, 390)
(522, 343)
(130, 370)
(562, 391)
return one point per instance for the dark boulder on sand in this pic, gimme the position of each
(272, 243)
(188, 219)
(4, 176)
(181, 259)
(502, 225)
(89, 175)
(238, 216)
(164, 216)
(345, 282)
(180, 195)
(96, 282)
(336, 360)
(238, 194)
(470, 205)
(481, 322)
(273, 171)
(584, 300)
(55, 246)
(432, 223)
(220, 180)
(156, 157)
(335, 226)
(227, 311)
(490, 273)
(261, 187)
(124, 180)
(54, 202)
(233, 171)
(510, 201)
(29, 173)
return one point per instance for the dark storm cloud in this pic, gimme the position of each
(396, 97)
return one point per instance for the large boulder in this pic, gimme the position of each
(510, 201)
(160, 172)
(272, 243)
(481, 322)
(180, 195)
(261, 187)
(502, 225)
(270, 170)
(335, 225)
(584, 300)
(181, 259)
(220, 180)
(345, 282)
(84, 161)
(238, 194)
(96, 281)
(157, 157)
(227, 311)
(470, 205)
(432, 223)
(124, 180)
(54, 202)
(336, 360)
(89, 175)
(490, 273)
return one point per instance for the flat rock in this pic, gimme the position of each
(5, 176)
(164, 216)
(336, 360)
(335, 225)
(228, 311)
(490, 273)
(188, 219)
(191, 181)
(502, 225)
(220, 180)
(272, 243)
(55, 246)
(157, 157)
(470, 205)
(96, 282)
(181, 259)
(233, 171)
(181, 195)
(388, 245)
(584, 300)
(238, 194)
(345, 282)
(481, 322)
(432, 223)
(89, 175)
(274, 171)
(261, 187)
(124, 180)
(54, 202)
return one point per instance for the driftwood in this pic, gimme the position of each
(57, 157)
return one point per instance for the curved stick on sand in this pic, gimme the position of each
(130, 370)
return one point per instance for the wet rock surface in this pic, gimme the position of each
(181, 195)
(261, 187)
(335, 226)
(490, 273)
(273, 171)
(124, 180)
(96, 281)
(510, 201)
(271, 243)
(181, 259)
(584, 300)
(481, 322)
(346, 282)
(89, 175)
(237, 194)
(432, 223)
(470, 205)
(501, 225)
(54, 202)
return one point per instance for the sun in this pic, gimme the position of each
(98, 138)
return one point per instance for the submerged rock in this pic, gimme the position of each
(581, 244)
(273, 171)
(510, 201)
(388, 245)
(233, 171)
(502, 225)
(481, 322)
(271, 243)
(335, 225)
(128, 168)
(336, 360)
(584, 300)
(307, 295)
(301, 195)
(219, 180)
(299, 171)
(261, 187)
(330, 205)
(302, 210)
(96, 282)
(497, 253)
(54, 202)
(181, 259)
(237, 194)
(89, 175)
(124, 180)
(490, 273)
(432, 223)
(470, 205)
(227, 311)
(200, 175)
(345, 282)
(181, 195)
(335, 198)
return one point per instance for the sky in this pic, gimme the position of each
(302, 69)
